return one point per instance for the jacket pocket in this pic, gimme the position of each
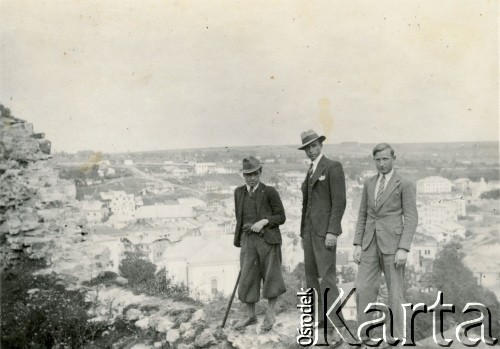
(398, 231)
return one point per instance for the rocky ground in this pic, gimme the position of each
(185, 325)
(40, 219)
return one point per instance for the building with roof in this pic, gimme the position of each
(294, 178)
(94, 211)
(422, 254)
(201, 168)
(180, 173)
(437, 212)
(211, 186)
(217, 226)
(462, 185)
(168, 166)
(477, 188)
(434, 184)
(193, 202)
(121, 205)
(153, 244)
(207, 266)
(161, 214)
(444, 232)
(158, 188)
(225, 170)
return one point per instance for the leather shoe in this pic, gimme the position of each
(247, 322)
(268, 323)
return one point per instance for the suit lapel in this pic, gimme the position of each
(260, 196)
(371, 190)
(240, 201)
(393, 183)
(319, 170)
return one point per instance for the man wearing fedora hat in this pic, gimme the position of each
(259, 213)
(323, 205)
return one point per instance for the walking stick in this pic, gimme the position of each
(231, 299)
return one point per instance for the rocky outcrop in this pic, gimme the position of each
(40, 219)
(39, 214)
(184, 325)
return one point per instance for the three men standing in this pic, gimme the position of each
(323, 205)
(386, 225)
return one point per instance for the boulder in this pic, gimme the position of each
(133, 314)
(198, 316)
(184, 346)
(189, 334)
(172, 336)
(141, 346)
(205, 339)
(185, 326)
(164, 325)
(143, 323)
(121, 281)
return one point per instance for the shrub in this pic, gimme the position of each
(137, 268)
(106, 278)
(37, 312)
(141, 276)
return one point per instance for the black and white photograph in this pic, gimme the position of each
(249, 174)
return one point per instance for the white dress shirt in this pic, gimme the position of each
(254, 188)
(387, 179)
(316, 162)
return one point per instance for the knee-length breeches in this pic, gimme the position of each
(259, 261)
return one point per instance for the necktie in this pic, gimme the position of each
(310, 172)
(380, 190)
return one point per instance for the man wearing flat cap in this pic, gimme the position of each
(323, 205)
(259, 213)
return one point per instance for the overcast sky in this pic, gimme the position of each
(145, 75)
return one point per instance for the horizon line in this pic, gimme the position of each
(268, 145)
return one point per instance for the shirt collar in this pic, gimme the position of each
(254, 188)
(316, 161)
(388, 176)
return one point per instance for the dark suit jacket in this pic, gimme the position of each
(394, 219)
(269, 206)
(327, 198)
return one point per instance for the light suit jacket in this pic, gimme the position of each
(395, 218)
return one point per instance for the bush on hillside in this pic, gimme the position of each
(136, 268)
(143, 278)
(38, 312)
(106, 278)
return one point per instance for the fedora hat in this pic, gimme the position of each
(250, 165)
(308, 137)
